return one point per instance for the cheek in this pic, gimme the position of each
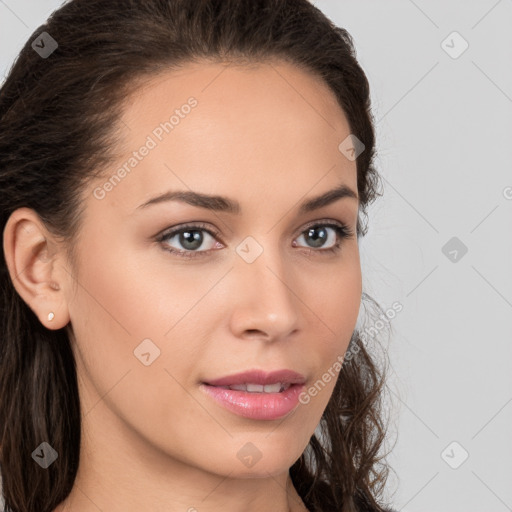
(333, 299)
(120, 308)
(122, 296)
(129, 311)
(334, 305)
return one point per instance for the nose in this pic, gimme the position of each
(264, 303)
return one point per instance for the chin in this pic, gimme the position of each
(251, 462)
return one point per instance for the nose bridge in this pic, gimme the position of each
(266, 299)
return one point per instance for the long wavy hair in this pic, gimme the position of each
(58, 118)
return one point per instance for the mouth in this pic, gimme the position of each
(254, 379)
(278, 387)
(257, 395)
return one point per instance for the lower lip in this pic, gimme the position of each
(257, 406)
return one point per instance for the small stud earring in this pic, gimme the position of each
(51, 316)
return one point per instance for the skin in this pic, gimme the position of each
(267, 136)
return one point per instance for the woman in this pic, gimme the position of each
(181, 187)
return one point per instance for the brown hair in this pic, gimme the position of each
(57, 130)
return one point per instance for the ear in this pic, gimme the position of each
(34, 261)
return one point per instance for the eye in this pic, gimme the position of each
(318, 235)
(191, 238)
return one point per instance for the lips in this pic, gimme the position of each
(278, 387)
(259, 377)
(256, 394)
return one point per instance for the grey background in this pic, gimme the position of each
(444, 128)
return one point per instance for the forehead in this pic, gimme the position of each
(236, 87)
(230, 89)
(213, 126)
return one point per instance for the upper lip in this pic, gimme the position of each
(259, 377)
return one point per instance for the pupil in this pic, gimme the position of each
(319, 240)
(193, 237)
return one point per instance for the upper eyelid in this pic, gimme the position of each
(166, 233)
(173, 231)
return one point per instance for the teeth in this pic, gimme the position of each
(273, 388)
(238, 387)
(260, 388)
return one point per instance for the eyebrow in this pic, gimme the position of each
(224, 204)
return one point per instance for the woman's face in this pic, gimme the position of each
(256, 288)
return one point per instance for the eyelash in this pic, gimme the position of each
(341, 229)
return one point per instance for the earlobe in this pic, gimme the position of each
(28, 249)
